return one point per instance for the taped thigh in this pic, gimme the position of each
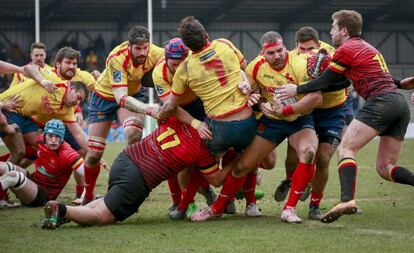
(133, 123)
(96, 144)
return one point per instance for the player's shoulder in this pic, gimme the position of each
(119, 52)
(330, 49)
(297, 61)
(155, 53)
(225, 42)
(66, 150)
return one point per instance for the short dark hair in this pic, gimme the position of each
(305, 34)
(66, 52)
(78, 85)
(38, 45)
(349, 19)
(138, 34)
(193, 33)
(270, 37)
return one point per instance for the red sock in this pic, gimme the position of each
(91, 175)
(79, 190)
(230, 187)
(301, 177)
(194, 183)
(5, 157)
(175, 189)
(315, 199)
(249, 188)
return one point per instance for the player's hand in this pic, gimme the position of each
(14, 102)
(9, 129)
(245, 87)
(96, 74)
(412, 98)
(277, 107)
(204, 132)
(286, 91)
(48, 85)
(407, 83)
(253, 99)
(77, 202)
(153, 111)
(267, 109)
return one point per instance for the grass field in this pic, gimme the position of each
(386, 225)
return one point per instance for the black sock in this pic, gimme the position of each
(347, 169)
(62, 210)
(402, 175)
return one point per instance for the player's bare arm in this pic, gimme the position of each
(131, 103)
(32, 71)
(304, 106)
(8, 68)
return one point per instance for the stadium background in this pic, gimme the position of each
(94, 27)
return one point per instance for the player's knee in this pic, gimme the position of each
(132, 136)
(382, 170)
(133, 129)
(269, 162)
(308, 154)
(18, 154)
(96, 148)
(14, 179)
(242, 168)
(322, 161)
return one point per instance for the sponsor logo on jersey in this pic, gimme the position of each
(43, 171)
(208, 55)
(117, 76)
(159, 89)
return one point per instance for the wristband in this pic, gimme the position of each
(287, 110)
(148, 111)
(195, 123)
(122, 100)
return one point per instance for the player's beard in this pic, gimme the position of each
(40, 63)
(138, 60)
(278, 64)
(68, 74)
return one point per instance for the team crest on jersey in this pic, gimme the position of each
(159, 89)
(117, 76)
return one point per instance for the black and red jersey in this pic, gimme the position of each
(365, 66)
(172, 147)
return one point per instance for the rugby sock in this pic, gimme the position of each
(5, 157)
(91, 175)
(347, 168)
(231, 185)
(249, 188)
(402, 175)
(315, 200)
(79, 190)
(301, 177)
(196, 179)
(175, 189)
